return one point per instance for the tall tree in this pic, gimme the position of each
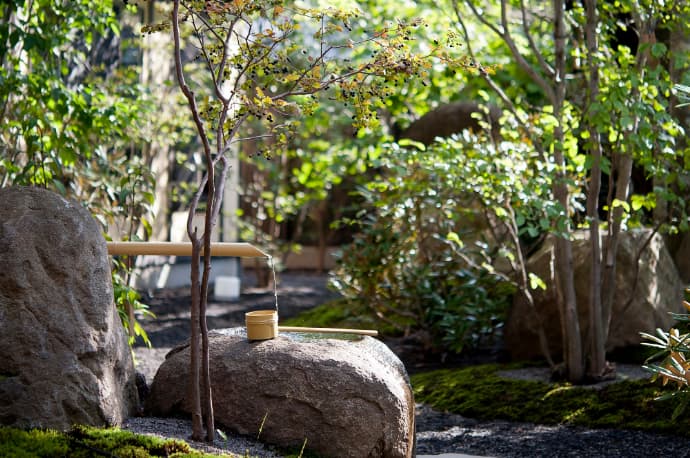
(567, 50)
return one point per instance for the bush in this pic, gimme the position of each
(423, 257)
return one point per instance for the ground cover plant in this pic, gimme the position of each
(340, 313)
(87, 442)
(479, 392)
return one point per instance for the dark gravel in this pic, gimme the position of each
(436, 432)
(443, 433)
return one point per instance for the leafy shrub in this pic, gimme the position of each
(72, 121)
(423, 258)
(128, 302)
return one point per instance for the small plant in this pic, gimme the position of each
(129, 304)
(673, 359)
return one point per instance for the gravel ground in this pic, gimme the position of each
(437, 432)
(444, 433)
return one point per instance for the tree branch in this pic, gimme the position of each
(533, 46)
(508, 40)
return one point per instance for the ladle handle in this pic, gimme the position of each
(363, 332)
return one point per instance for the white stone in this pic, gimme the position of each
(227, 288)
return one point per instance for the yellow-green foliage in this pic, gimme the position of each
(86, 442)
(339, 313)
(478, 392)
(30, 444)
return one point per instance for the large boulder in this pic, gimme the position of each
(64, 358)
(453, 118)
(682, 255)
(346, 398)
(646, 291)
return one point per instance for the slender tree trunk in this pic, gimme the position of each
(624, 169)
(322, 212)
(564, 254)
(199, 289)
(216, 191)
(197, 424)
(206, 394)
(597, 333)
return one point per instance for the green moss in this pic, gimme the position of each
(330, 314)
(125, 443)
(340, 313)
(85, 442)
(478, 392)
(35, 443)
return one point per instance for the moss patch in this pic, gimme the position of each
(340, 313)
(478, 392)
(86, 442)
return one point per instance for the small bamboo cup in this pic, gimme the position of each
(263, 325)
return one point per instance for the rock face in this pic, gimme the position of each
(658, 291)
(346, 398)
(450, 119)
(64, 358)
(682, 257)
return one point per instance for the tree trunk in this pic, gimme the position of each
(199, 289)
(624, 164)
(197, 425)
(597, 333)
(564, 254)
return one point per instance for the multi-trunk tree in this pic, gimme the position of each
(604, 106)
(256, 69)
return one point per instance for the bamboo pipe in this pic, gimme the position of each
(184, 249)
(363, 332)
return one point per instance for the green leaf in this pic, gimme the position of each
(407, 142)
(536, 282)
(453, 237)
(620, 203)
(60, 187)
(680, 408)
(658, 50)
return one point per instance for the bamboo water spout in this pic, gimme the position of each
(238, 249)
